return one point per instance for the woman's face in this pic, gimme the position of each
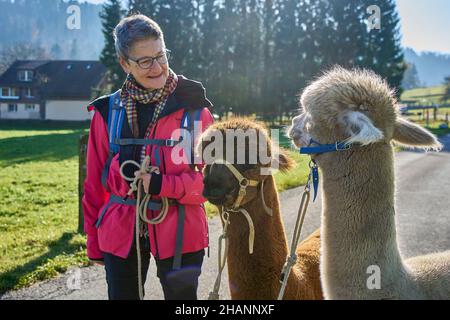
(153, 78)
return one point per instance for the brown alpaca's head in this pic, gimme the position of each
(246, 145)
(355, 106)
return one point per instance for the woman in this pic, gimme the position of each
(153, 104)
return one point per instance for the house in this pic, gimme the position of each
(50, 90)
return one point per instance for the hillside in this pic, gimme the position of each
(432, 67)
(43, 23)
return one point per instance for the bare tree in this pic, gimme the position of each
(21, 51)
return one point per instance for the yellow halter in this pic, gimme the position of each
(243, 182)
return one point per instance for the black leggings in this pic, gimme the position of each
(122, 279)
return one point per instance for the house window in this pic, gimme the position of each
(30, 107)
(12, 107)
(10, 93)
(25, 75)
(29, 93)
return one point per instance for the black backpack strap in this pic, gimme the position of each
(116, 115)
(179, 237)
(188, 122)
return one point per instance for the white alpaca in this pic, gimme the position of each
(358, 212)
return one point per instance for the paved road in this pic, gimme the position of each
(423, 220)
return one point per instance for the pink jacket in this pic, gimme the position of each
(115, 234)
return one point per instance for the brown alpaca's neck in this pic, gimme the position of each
(358, 229)
(247, 272)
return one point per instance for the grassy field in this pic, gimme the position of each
(38, 206)
(428, 96)
(425, 95)
(39, 200)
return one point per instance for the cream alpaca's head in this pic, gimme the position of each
(354, 106)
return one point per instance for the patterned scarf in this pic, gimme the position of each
(132, 93)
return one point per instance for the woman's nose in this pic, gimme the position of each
(156, 67)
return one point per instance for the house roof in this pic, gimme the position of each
(57, 79)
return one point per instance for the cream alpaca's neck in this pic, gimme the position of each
(247, 272)
(358, 223)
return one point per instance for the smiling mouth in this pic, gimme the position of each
(155, 77)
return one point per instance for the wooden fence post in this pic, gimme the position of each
(82, 151)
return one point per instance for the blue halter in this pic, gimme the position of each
(314, 168)
(323, 148)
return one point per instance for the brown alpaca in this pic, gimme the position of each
(257, 275)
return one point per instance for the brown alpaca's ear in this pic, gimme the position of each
(284, 162)
(410, 134)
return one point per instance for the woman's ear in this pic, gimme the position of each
(124, 64)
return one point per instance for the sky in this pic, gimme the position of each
(425, 24)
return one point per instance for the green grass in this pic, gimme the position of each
(39, 200)
(433, 126)
(427, 96)
(418, 117)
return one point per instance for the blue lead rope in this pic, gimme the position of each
(314, 177)
(314, 168)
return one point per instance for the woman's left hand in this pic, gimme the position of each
(146, 177)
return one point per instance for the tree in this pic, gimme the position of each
(384, 53)
(110, 16)
(74, 52)
(446, 95)
(256, 55)
(56, 51)
(288, 58)
(411, 77)
(347, 47)
(145, 7)
(210, 52)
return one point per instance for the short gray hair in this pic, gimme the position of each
(134, 28)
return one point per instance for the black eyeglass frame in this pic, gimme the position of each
(166, 53)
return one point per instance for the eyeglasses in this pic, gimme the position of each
(147, 62)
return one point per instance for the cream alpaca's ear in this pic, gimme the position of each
(410, 134)
(359, 128)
